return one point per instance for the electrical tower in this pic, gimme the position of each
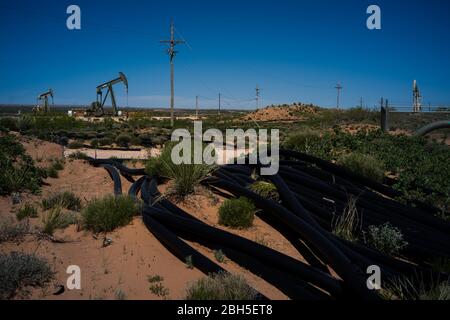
(339, 88)
(171, 51)
(258, 92)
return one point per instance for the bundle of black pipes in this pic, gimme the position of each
(304, 216)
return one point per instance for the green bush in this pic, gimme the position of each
(386, 238)
(9, 123)
(266, 190)
(76, 145)
(123, 139)
(237, 213)
(95, 143)
(55, 219)
(347, 224)
(221, 286)
(186, 177)
(67, 200)
(18, 171)
(109, 213)
(9, 231)
(52, 172)
(305, 141)
(364, 165)
(19, 271)
(105, 141)
(27, 211)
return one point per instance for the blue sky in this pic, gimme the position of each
(294, 50)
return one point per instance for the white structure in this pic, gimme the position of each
(417, 98)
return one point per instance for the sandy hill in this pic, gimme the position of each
(281, 113)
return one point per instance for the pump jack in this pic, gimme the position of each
(97, 106)
(43, 97)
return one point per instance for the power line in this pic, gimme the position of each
(339, 88)
(171, 51)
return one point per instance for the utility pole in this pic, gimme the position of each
(361, 103)
(339, 88)
(258, 91)
(171, 51)
(219, 102)
(196, 106)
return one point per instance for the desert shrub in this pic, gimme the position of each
(403, 288)
(105, 141)
(25, 123)
(136, 141)
(9, 123)
(186, 177)
(18, 171)
(303, 141)
(52, 172)
(27, 211)
(266, 190)
(220, 256)
(55, 219)
(347, 224)
(94, 143)
(364, 165)
(221, 286)
(58, 164)
(79, 156)
(9, 231)
(76, 144)
(386, 238)
(237, 213)
(109, 213)
(123, 139)
(67, 200)
(20, 270)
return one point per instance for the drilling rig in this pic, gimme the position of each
(44, 107)
(97, 107)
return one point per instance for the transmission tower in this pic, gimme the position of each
(171, 52)
(339, 88)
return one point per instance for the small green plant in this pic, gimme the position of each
(186, 177)
(55, 219)
(52, 172)
(67, 200)
(347, 224)
(105, 141)
(159, 290)
(58, 164)
(237, 213)
(27, 211)
(221, 286)
(364, 165)
(123, 139)
(76, 145)
(266, 190)
(109, 213)
(21, 270)
(386, 238)
(9, 231)
(403, 288)
(78, 156)
(155, 278)
(220, 256)
(157, 287)
(303, 141)
(189, 262)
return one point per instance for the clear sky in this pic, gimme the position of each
(294, 50)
